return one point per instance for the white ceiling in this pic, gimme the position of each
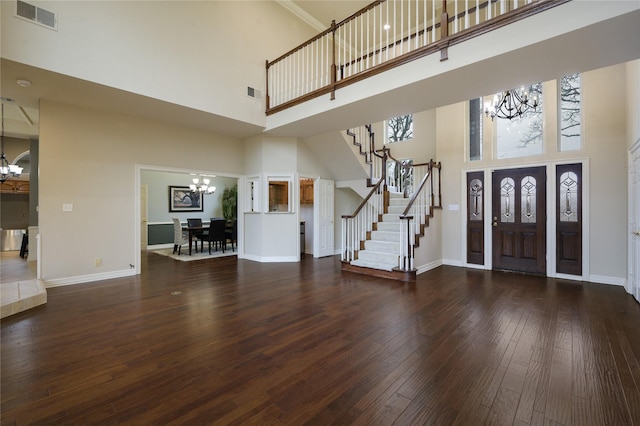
(21, 104)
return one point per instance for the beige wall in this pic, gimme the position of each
(191, 53)
(633, 102)
(604, 138)
(88, 159)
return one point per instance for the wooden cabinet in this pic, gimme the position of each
(278, 196)
(306, 191)
(15, 187)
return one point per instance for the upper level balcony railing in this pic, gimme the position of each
(383, 35)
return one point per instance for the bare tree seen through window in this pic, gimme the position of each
(570, 112)
(400, 128)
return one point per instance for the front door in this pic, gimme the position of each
(519, 220)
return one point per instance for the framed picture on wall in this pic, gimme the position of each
(181, 199)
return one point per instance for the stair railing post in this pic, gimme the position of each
(444, 32)
(333, 61)
(266, 96)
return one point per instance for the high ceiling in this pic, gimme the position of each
(21, 104)
(21, 110)
(324, 11)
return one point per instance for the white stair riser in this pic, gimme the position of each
(385, 236)
(396, 209)
(382, 246)
(389, 226)
(374, 265)
(375, 256)
(398, 202)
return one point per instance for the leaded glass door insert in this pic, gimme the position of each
(569, 219)
(519, 220)
(475, 218)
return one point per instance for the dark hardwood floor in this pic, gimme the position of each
(227, 341)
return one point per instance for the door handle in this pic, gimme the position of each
(495, 221)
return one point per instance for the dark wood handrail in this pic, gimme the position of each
(365, 201)
(439, 45)
(415, 193)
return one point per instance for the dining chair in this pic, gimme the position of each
(179, 237)
(200, 235)
(231, 233)
(217, 234)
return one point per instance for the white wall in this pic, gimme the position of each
(272, 236)
(191, 53)
(88, 159)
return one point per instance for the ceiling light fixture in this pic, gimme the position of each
(510, 104)
(23, 82)
(7, 171)
(202, 186)
(387, 27)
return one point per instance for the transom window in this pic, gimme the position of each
(569, 88)
(522, 137)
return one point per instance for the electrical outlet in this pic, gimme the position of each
(99, 261)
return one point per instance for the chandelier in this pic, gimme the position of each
(202, 186)
(7, 171)
(510, 104)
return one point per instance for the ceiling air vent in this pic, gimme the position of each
(36, 15)
(254, 93)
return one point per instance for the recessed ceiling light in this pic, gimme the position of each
(23, 83)
(386, 26)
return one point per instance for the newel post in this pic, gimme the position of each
(444, 33)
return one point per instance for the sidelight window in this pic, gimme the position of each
(568, 197)
(475, 200)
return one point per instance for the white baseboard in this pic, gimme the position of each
(601, 279)
(453, 262)
(269, 259)
(427, 267)
(81, 279)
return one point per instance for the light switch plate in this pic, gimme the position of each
(67, 207)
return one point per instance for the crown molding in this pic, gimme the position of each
(302, 14)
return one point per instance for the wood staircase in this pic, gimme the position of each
(381, 250)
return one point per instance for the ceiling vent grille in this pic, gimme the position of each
(254, 93)
(36, 15)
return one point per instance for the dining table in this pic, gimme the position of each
(193, 230)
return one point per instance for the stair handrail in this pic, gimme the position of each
(416, 214)
(426, 177)
(356, 226)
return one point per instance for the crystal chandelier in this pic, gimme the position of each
(510, 104)
(7, 171)
(202, 186)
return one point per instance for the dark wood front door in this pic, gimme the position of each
(519, 220)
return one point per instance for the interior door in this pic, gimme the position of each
(519, 220)
(144, 190)
(323, 218)
(634, 224)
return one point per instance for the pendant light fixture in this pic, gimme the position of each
(7, 171)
